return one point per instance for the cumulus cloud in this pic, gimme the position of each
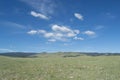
(60, 28)
(42, 31)
(78, 16)
(61, 33)
(49, 35)
(77, 31)
(32, 32)
(89, 33)
(35, 14)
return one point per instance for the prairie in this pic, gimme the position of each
(57, 67)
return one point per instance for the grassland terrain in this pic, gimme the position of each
(60, 67)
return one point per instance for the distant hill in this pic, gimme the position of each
(63, 54)
(18, 54)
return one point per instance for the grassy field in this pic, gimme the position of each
(56, 67)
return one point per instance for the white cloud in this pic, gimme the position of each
(77, 31)
(71, 34)
(78, 16)
(35, 14)
(32, 32)
(65, 30)
(89, 33)
(42, 31)
(49, 35)
(60, 28)
(60, 33)
(78, 38)
(43, 6)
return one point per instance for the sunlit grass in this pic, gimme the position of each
(49, 67)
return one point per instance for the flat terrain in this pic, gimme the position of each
(57, 67)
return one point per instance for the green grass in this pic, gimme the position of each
(55, 67)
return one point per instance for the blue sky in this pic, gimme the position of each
(59, 25)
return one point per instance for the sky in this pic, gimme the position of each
(59, 25)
